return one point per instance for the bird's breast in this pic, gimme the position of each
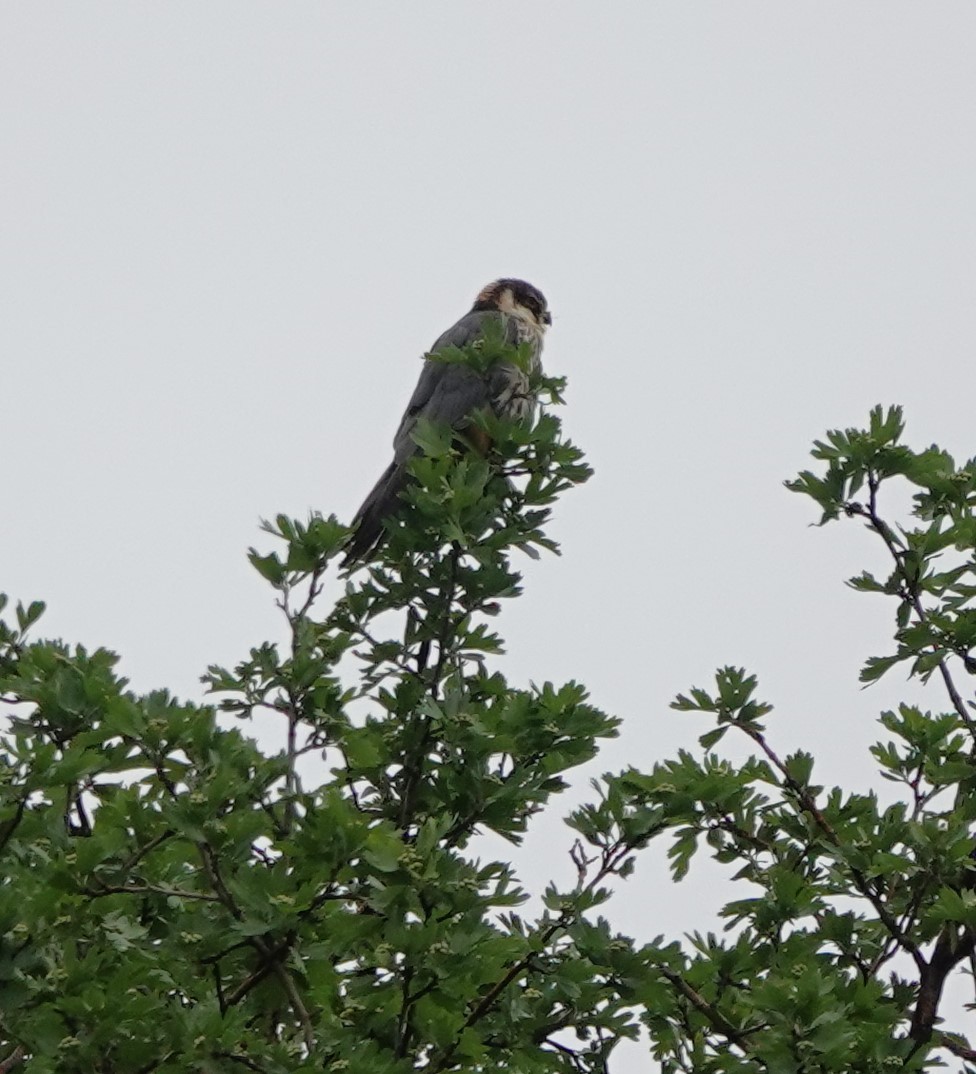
(513, 399)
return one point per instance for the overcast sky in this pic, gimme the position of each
(229, 230)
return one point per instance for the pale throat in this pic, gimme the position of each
(529, 328)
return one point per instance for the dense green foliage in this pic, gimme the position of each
(174, 900)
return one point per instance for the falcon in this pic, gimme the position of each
(448, 394)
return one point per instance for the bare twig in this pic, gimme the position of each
(716, 1019)
(149, 889)
(245, 1061)
(957, 1047)
(219, 988)
(298, 1006)
(82, 827)
(578, 856)
(235, 997)
(11, 826)
(156, 841)
(572, 1054)
(447, 623)
(13, 1060)
(403, 1018)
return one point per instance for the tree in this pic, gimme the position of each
(173, 899)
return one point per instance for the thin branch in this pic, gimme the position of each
(574, 1056)
(12, 825)
(566, 1017)
(850, 952)
(951, 947)
(403, 1018)
(82, 828)
(611, 858)
(952, 1044)
(298, 1006)
(716, 1019)
(267, 807)
(314, 591)
(244, 1060)
(294, 699)
(291, 775)
(578, 857)
(219, 989)
(465, 825)
(399, 662)
(488, 1000)
(863, 885)
(208, 960)
(447, 624)
(13, 1060)
(911, 589)
(235, 997)
(156, 841)
(350, 783)
(329, 894)
(216, 880)
(272, 955)
(163, 777)
(149, 889)
(414, 767)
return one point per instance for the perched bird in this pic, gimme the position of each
(448, 394)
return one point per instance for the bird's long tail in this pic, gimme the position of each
(368, 521)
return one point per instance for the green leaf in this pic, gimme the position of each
(876, 666)
(711, 738)
(27, 617)
(269, 566)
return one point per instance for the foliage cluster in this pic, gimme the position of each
(174, 899)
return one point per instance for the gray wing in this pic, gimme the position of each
(448, 393)
(445, 394)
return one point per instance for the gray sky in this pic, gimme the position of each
(229, 230)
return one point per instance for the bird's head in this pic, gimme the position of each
(518, 299)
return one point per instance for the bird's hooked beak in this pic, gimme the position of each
(546, 317)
